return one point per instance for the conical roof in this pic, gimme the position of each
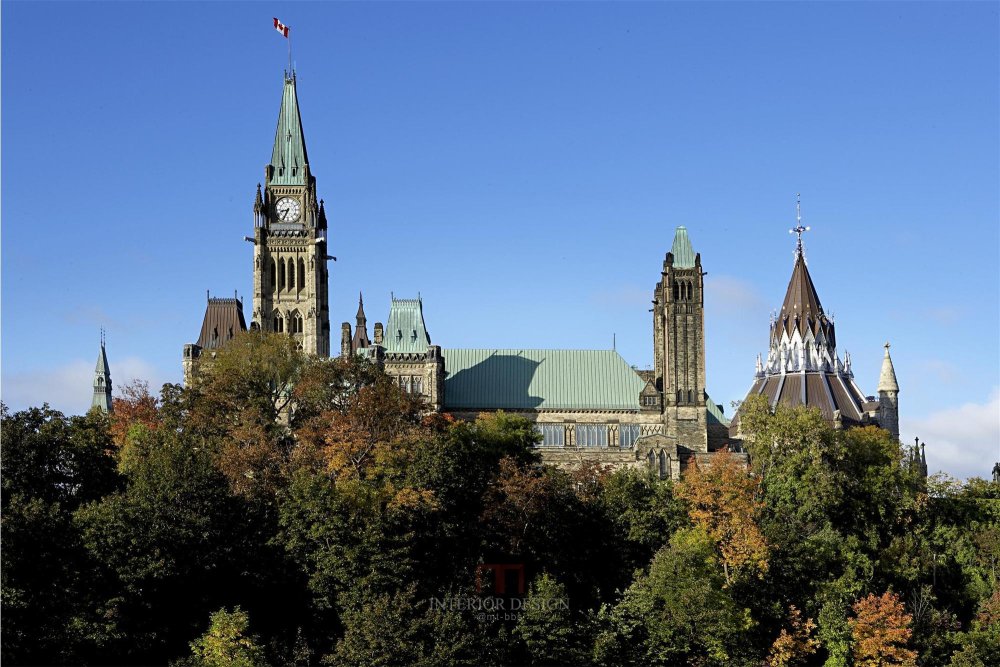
(801, 309)
(887, 378)
(288, 157)
(681, 249)
(102, 363)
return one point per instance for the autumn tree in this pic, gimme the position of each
(721, 501)
(136, 407)
(795, 643)
(880, 630)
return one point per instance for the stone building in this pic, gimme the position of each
(803, 367)
(290, 278)
(587, 405)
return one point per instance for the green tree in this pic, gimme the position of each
(551, 632)
(50, 466)
(677, 613)
(226, 643)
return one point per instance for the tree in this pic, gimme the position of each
(881, 629)
(551, 633)
(677, 613)
(226, 643)
(721, 501)
(50, 466)
(136, 407)
(795, 643)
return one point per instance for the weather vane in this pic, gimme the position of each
(798, 219)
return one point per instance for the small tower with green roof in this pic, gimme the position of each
(102, 382)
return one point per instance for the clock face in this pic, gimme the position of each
(287, 209)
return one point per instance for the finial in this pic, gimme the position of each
(361, 298)
(208, 295)
(798, 225)
(102, 336)
(886, 346)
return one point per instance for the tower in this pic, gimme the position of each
(361, 328)
(290, 254)
(102, 382)
(888, 396)
(679, 344)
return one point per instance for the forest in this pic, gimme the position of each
(290, 510)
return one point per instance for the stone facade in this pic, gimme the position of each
(665, 422)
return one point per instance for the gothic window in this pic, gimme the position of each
(627, 435)
(281, 274)
(279, 322)
(302, 275)
(274, 275)
(676, 292)
(651, 459)
(664, 472)
(418, 385)
(592, 435)
(295, 322)
(291, 274)
(553, 435)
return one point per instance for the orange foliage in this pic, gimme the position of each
(794, 646)
(881, 629)
(135, 406)
(721, 502)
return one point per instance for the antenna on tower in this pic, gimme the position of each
(799, 229)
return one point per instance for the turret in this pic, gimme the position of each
(102, 382)
(888, 396)
(360, 340)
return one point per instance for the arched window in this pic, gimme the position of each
(302, 275)
(677, 294)
(281, 274)
(663, 465)
(279, 322)
(291, 273)
(651, 458)
(274, 275)
(295, 322)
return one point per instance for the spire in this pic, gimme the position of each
(361, 308)
(360, 340)
(887, 378)
(681, 249)
(289, 158)
(102, 381)
(801, 308)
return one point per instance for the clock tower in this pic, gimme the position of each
(290, 293)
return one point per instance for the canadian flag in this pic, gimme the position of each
(281, 27)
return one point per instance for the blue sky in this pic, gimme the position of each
(522, 166)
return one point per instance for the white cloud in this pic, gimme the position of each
(962, 441)
(69, 388)
(732, 295)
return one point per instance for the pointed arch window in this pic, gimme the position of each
(664, 469)
(291, 273)
(279, 322)
(295, 322)
(281, 274)
(302, 275)
(274, 274)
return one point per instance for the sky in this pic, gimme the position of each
(521, 167)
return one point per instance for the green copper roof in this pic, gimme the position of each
(405, 331)
(489, 379)
(289, 154)
(102, 383)
(682, 250)
(714, 412)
